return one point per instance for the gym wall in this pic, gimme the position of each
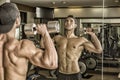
(88, 12)
(29, 10)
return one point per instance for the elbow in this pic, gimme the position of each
(54, 66)
(51, 61)
(51, 64)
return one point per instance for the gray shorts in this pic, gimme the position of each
(76, 76)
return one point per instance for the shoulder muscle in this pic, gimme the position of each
(26, 48)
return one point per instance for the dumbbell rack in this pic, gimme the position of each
(109, 65)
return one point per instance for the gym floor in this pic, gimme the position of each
(110, 71)
(96, 75)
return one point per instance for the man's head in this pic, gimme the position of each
(70, 22)
(8, 15)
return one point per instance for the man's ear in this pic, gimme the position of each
(17, 22)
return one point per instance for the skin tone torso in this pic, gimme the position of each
(14, 65)
(14, 55)
(69, 48)
(69, 51)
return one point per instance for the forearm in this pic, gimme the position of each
(50, 52)
(96, 43)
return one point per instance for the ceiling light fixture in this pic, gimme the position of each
(53, 3)
(64, 2)
(117, 1)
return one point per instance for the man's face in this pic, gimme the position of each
(70, 23)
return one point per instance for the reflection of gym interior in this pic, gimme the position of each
(103, 16)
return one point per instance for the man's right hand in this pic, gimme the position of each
(41, 29)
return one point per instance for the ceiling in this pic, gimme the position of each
(69, 3)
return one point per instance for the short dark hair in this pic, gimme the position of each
(8, 14)
(71, 16)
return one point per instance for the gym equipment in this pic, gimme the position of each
(53, 26)
(90, 60)
(37, 77)
(82, 67)
(83, 30)
(28, 29)
(111, 39)
(91, 63)
(53, 73)
(33, 77)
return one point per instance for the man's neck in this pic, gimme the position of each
(69, 33)
(11, 34)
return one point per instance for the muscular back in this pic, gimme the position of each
(69, 51)
(1, 57)
(13, 64)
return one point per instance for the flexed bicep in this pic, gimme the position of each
(90, 46)
(41, 59)
(36, 56)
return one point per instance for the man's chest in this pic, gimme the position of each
(69, 43)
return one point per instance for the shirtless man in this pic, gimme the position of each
(69, 48)
(14, 54)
